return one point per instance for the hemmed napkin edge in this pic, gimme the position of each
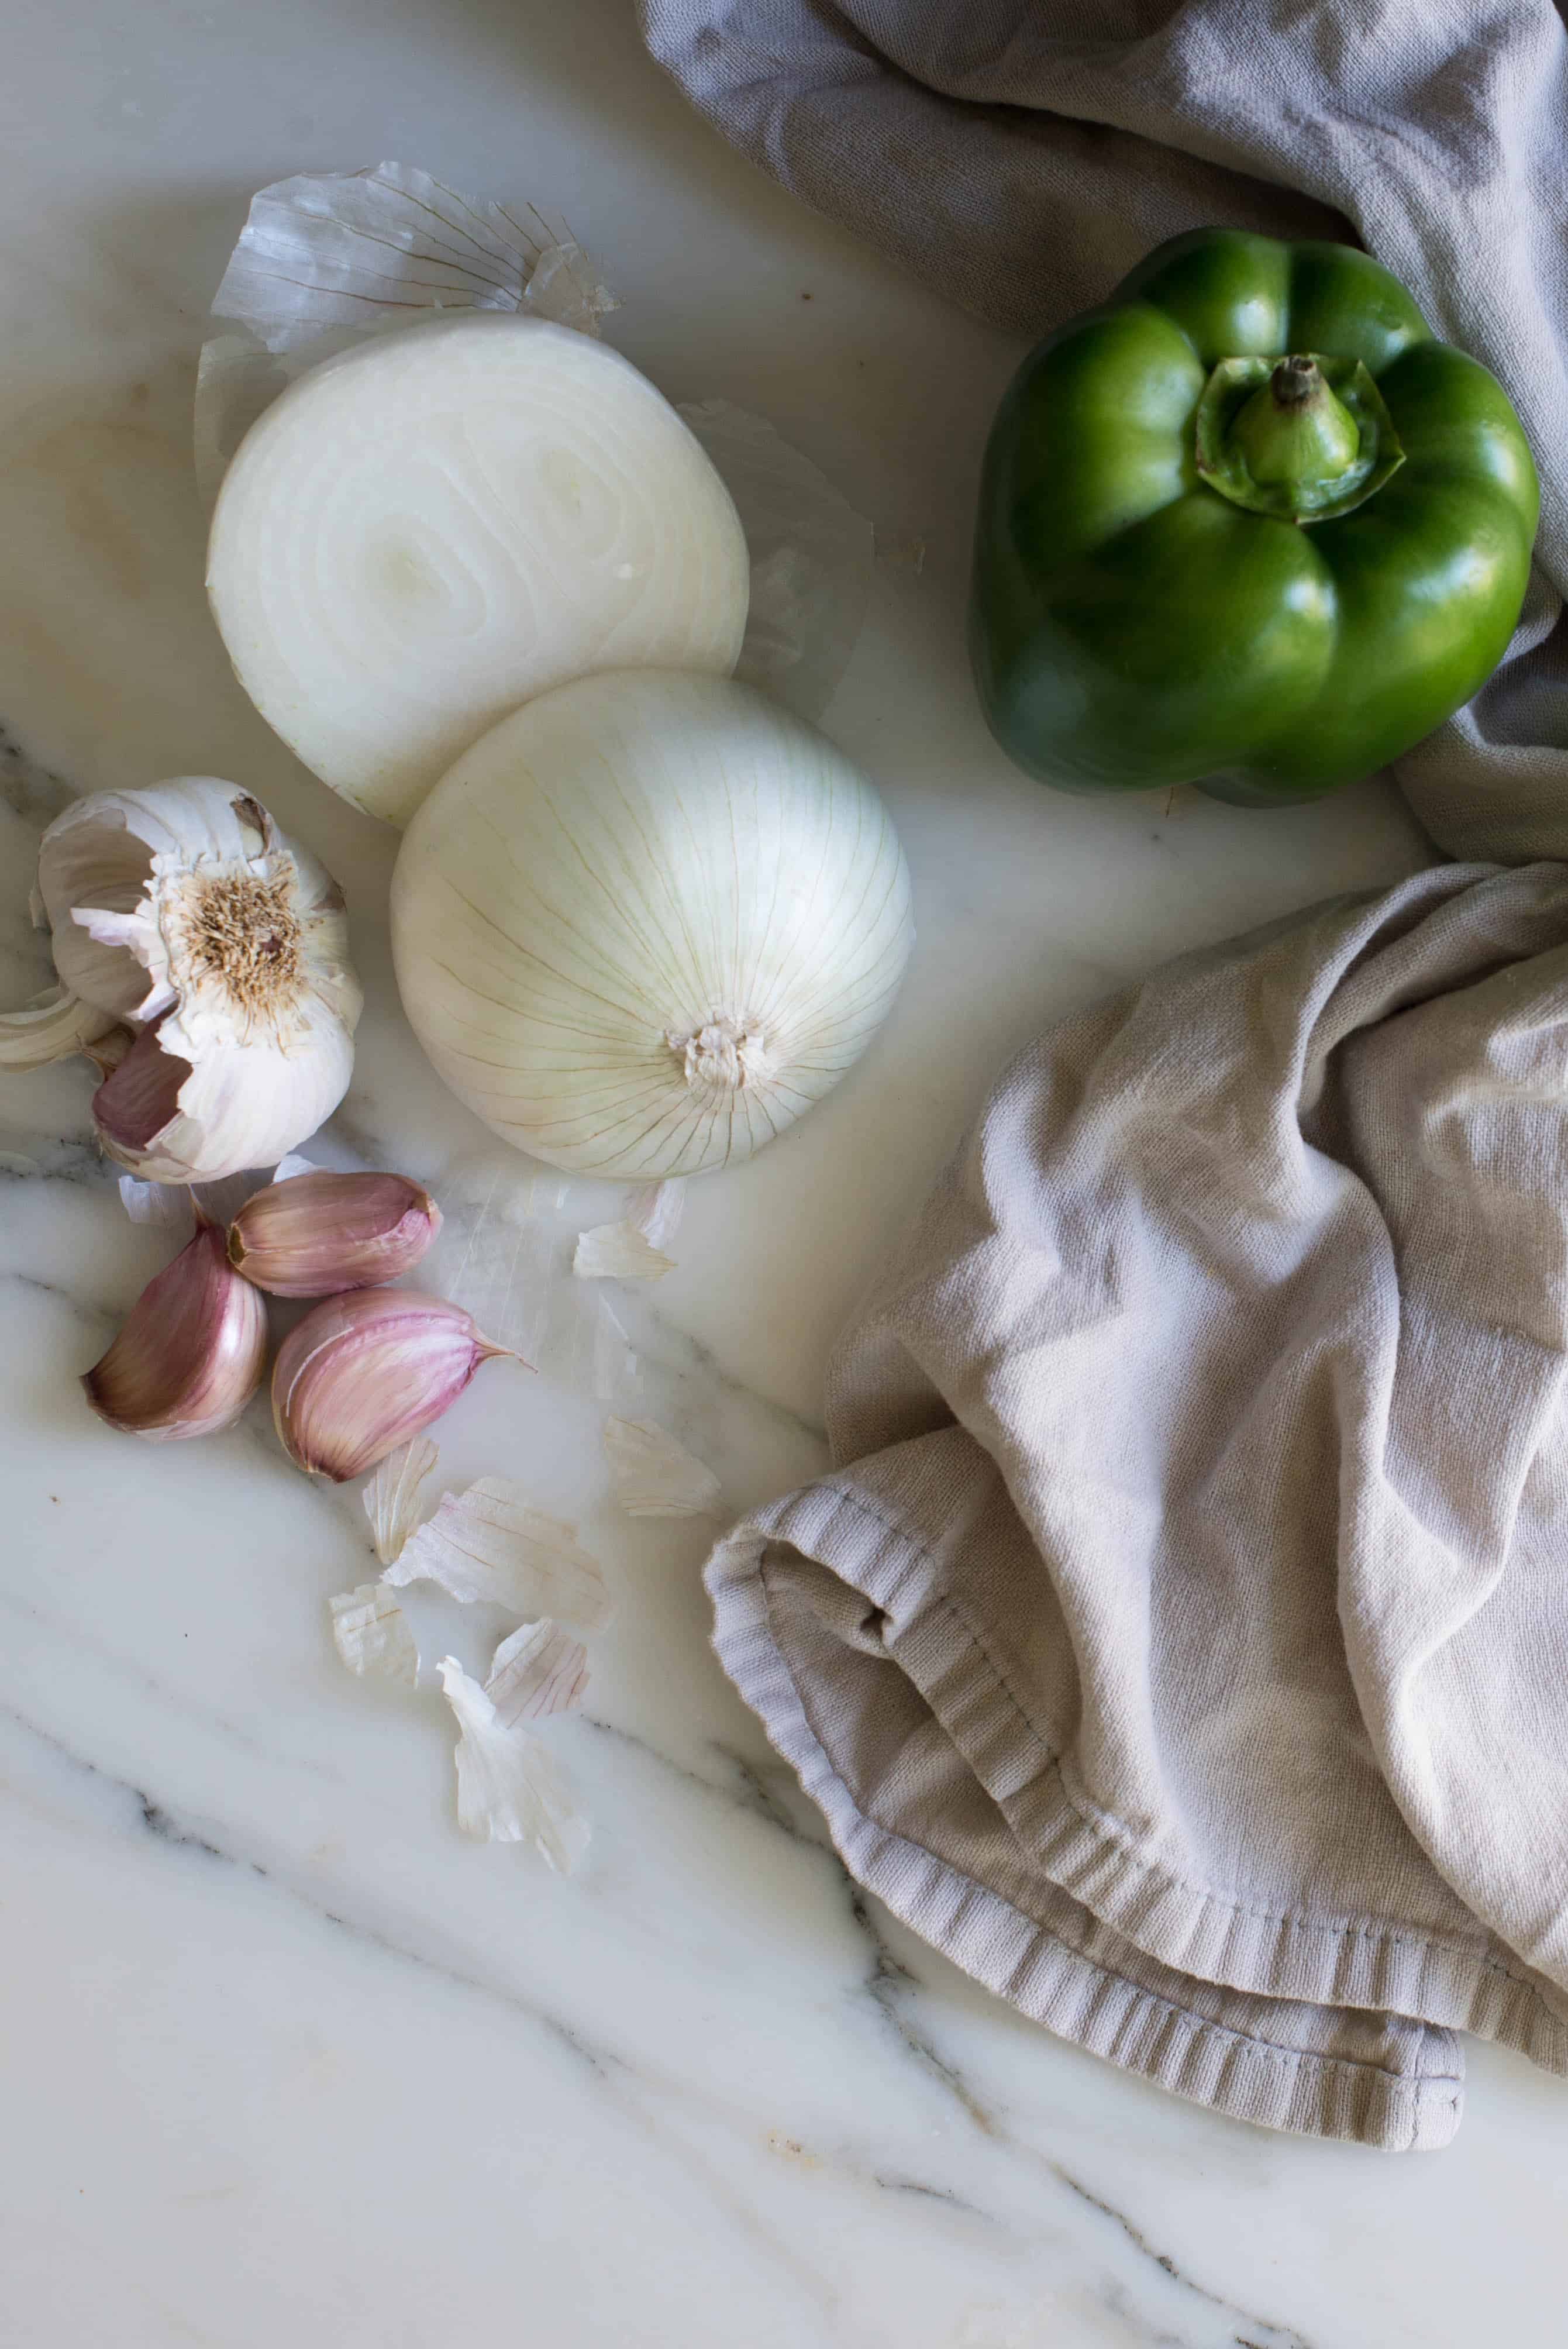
(1077, 1998)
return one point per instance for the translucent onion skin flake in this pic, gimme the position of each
(373, 1635)
(489, 1543)
(191, 1353)
(317, 1234)
(510, 1787)
(655, 1476)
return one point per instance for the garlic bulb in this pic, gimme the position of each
(425, 531)
(647, 922)
(184, 910)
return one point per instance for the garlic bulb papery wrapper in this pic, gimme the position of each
(190, 1354)
(391, 1499)
(53, 1027)
(364, 1372)
(539, 1672)
(317, 1234)
(426, 530)
(373, 1635)
(184, 910)
(510, 1789)
(647, 922)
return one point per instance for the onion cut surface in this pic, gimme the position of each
(648, 921)
(433, 527)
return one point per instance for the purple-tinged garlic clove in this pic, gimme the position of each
(191, 1355)
(319, 1234)
(367, 1369)
(139, 1100)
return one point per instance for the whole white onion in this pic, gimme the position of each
(426, 530)
(648, 921)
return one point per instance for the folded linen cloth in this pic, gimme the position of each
(1022, 154)
(1181, 1639)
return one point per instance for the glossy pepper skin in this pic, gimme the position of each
(1134, 625)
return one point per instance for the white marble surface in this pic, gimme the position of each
(282, 2057)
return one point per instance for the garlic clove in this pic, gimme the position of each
(139, 1101)
(367, 1369)
(186, 907)
(51, 1028)
(168, 1120)
(318, 1234)
(107, 1051)
(191, 1353)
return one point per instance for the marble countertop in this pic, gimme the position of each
(283, 2058)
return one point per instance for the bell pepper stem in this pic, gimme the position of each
(1293, 431)
(1303, 438)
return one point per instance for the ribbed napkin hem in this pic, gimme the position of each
(1041, 1962)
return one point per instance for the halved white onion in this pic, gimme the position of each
(648, 921)
(435, 526)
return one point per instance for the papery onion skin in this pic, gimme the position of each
(424, 531)
(647, 922)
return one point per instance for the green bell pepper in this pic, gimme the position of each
(1248, 525)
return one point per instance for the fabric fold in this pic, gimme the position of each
(1183, 1619)
(1379, 2080)
(1020, 155)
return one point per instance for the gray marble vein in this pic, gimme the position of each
(298, 2063)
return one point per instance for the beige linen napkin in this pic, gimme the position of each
(1181, 1639)
(1021, 155)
